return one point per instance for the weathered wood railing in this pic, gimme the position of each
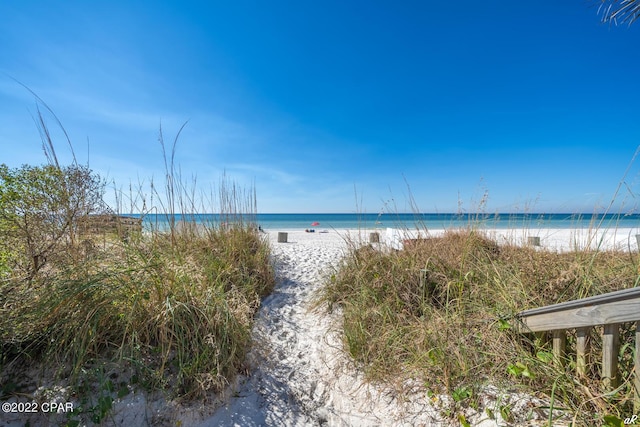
(118, 224)
(609, 310)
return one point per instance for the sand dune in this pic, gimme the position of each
(301, 374)
(298, 372)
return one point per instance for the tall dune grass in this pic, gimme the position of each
(441, 311)
(167, 310)
(177, 308)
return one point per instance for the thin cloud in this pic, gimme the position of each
(268, 172)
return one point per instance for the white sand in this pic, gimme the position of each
(300, 374)
(553, 239)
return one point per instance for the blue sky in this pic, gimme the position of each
(335, 106)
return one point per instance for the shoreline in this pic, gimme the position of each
(430, 221)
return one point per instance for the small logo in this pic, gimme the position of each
(631, 420)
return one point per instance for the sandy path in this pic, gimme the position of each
(301, 376)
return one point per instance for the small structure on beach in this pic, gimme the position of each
(122, 226)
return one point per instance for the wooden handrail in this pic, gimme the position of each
(613, 307)
(610, 310)
(109, 223)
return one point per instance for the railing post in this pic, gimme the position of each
(559, 345)
(582, 348)
(610, 355)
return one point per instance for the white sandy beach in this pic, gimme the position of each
(552, 239)
(299, 374)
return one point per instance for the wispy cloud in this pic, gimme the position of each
(268, 172)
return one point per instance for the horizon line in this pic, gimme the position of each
(385, 213)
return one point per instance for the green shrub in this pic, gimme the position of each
(39, 210)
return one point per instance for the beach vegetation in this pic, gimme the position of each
(165, 310)
(40, 207)
(442, 311)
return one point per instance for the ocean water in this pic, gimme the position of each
(433, 221)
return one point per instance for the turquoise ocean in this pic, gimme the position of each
(322, 221)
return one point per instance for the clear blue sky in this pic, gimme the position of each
(537, 103)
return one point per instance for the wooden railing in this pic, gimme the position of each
(98, 224)
(609, 310)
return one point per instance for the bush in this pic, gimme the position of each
(39, 208)
(174, 308)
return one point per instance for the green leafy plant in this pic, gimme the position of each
(39, 210)
(463, 421)
(612, 421)
(462, 393)
(519, 369)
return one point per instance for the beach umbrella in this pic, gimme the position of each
(315, 224)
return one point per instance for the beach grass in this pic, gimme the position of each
(176, 308)
(442, 311)
(165, 310)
